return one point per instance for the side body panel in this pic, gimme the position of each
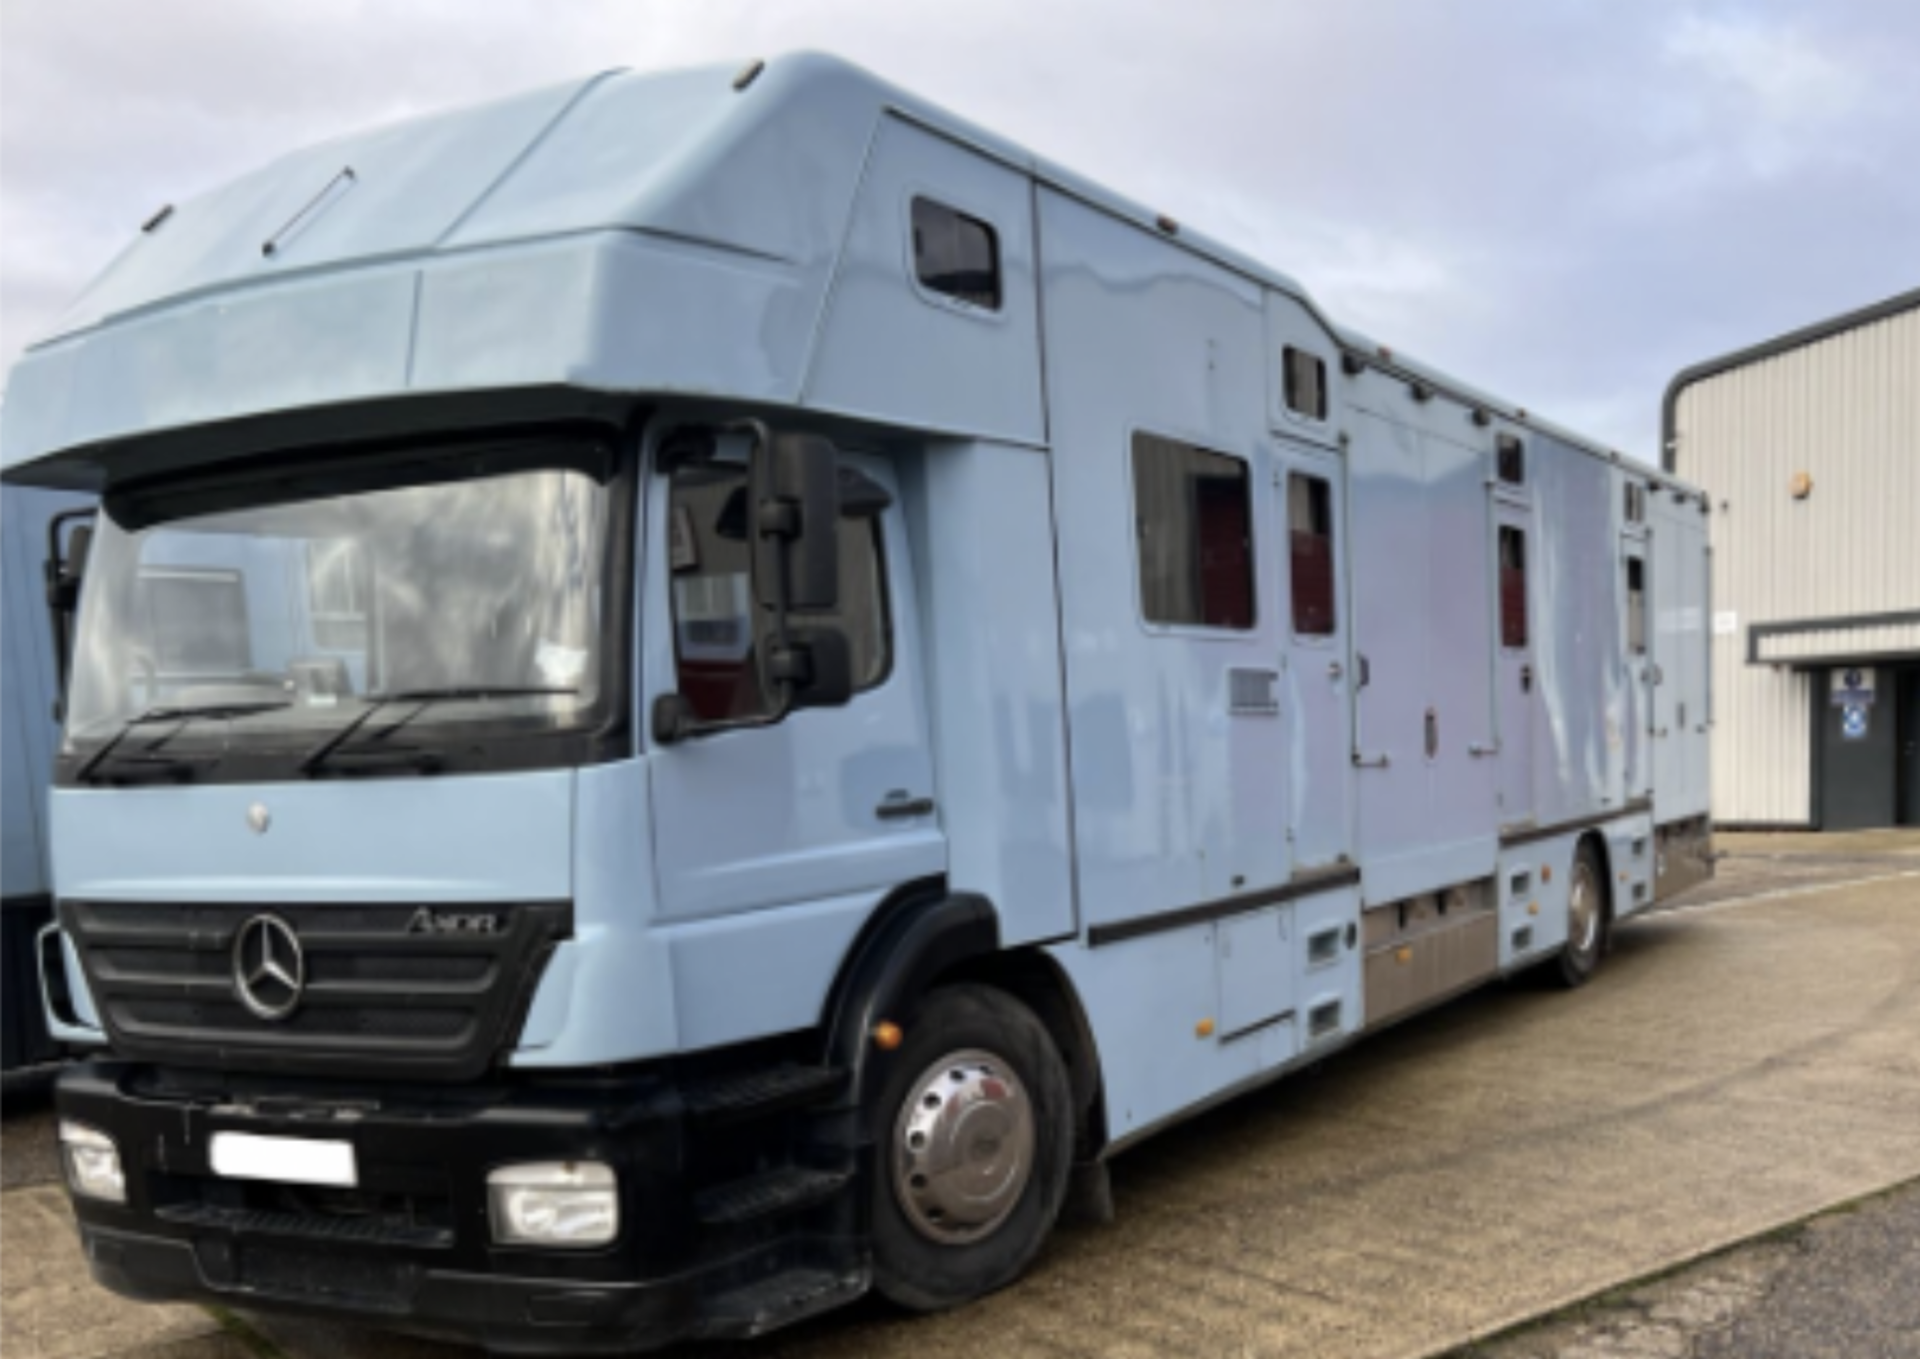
(893, 350)
(1176, 796)
(1422, 565)
(981, 523)
(1579, 735)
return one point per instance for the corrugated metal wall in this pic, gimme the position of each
(1846, 411)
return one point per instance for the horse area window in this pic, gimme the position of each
(956, 255)
(1193, 513)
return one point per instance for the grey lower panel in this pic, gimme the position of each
(1683, 857)
(1419, 953)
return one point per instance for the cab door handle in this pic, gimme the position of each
(900, 806)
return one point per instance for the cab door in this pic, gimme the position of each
(823, 805)
(1319, 746)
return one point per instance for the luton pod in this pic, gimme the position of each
(891, 672)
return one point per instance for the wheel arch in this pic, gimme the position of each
(1603, 855)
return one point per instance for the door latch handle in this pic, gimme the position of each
(1334, 670)
(900, 806)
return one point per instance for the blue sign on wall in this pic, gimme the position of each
(1853, 722)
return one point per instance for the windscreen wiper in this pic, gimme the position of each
(336, 744)
(163, 763)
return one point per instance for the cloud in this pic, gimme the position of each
(1564, 201)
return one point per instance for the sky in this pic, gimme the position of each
(1561, 201)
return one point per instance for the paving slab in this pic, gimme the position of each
(50, 1307)
(1734, 1068)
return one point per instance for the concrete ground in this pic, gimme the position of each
(1746, 1062)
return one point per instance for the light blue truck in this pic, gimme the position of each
(702, 691)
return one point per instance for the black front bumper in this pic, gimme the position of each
(411, 1247)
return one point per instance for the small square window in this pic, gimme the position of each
(1511, 457)
(1636, 503)
(956, 255)
(1306, 382)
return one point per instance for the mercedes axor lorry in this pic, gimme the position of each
(699, 692)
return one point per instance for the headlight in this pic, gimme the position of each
(93, 1163)
(554, 1203)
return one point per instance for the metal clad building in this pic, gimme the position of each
(1810, 447)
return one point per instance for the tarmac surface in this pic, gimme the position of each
(1745, 1064)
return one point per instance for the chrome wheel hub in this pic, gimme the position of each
(1583, 910)
(963, 1147)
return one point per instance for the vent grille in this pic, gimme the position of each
(1323, 947)
(1523, 939)
(1323, 1020)
(1253, 693)
(379, 995)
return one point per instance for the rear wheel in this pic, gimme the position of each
(974, 1139)
(1587, 919)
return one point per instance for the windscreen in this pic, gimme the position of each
(329, 605)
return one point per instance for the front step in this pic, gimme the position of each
(780, 1300)
(752, 1094)
(787, 1190)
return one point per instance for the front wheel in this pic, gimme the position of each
(974, 1139)
(1586, 919)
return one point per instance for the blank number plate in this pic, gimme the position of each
(288, 1160)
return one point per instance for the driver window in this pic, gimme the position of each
(716, 625)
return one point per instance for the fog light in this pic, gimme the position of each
(553, 1203)
(93, 1163)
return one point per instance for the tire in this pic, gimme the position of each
(976, 1058)
(1589, 917)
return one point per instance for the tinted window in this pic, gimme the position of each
(1194, 527)
(956, 254)
(1310, 545)
(717, 627)
(1513, 588)
(1511, 456)
(1306, 383)
(1636, 606)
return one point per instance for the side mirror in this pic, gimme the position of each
(816, 664)
(64, 567)
(796, 509)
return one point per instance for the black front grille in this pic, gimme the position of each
(386, 988)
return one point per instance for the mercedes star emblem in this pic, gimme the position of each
(269, 968)
(259, 818)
